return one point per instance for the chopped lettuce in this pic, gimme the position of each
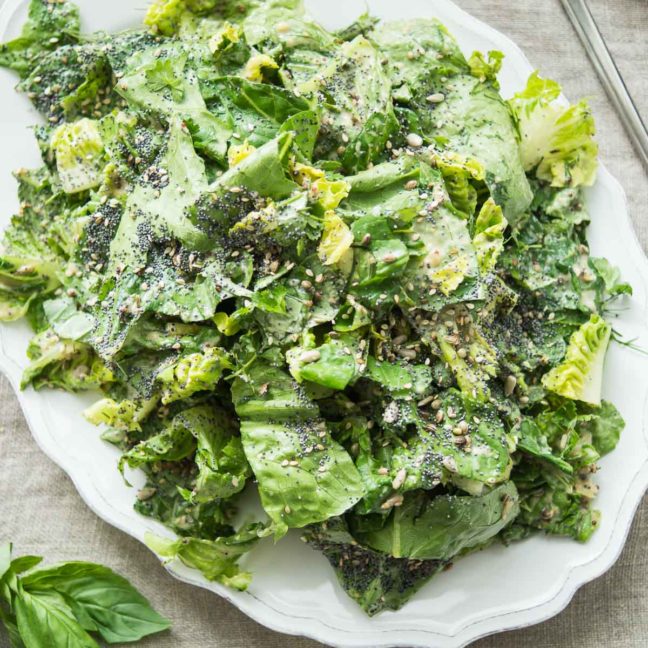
(163, 16)
(49, 26)
(580, 375)
(216, 559)
(336, 239)
(357, 125)
(488, 238)
(304, 475)
(78, 149)
(193, 373)
(332, 269)
(439, 528)
(556, 139)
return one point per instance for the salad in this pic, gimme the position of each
(333, 273)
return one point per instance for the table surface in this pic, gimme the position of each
(42, 514)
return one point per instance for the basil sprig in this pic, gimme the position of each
(59, 606)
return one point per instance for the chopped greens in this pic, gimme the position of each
(336, 271)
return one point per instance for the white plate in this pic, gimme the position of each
(294, 589)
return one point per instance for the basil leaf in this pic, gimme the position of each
(9, 622)
(9, 576)
(98, 595)
(46, 620)
(25, 563)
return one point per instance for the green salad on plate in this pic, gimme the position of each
(333, 272)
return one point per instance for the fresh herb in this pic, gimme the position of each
(65, 604)
(161, 76)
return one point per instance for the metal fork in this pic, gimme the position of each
(589, 33)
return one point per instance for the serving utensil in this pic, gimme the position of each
(589, 33)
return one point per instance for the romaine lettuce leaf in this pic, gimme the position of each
(175, 442)
(428, 527)
(297, 32)
(418, 50)
(335, 364)
(66, 364)
(474, 121)
(125, 415)
(79, 149)
(580, 375)
(556, 140)
(447, 106)
(23, 280)
(450, 258)
(488, 237)
(158, 207)
(49, 26)
(304, 475)
(358, 116)
(193, 373)
(558, 510)
(256, 111)
(216, 559)
(161, 80)
(473, 362)
(263, 171)
(336, 239)
(481, 458)
(562, 437)
(162, 499)
(461, 177)
(223, 468)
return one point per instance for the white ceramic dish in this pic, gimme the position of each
(294, 590)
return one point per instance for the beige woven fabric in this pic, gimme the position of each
(41, 512)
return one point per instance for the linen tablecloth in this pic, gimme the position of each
(41, 512)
